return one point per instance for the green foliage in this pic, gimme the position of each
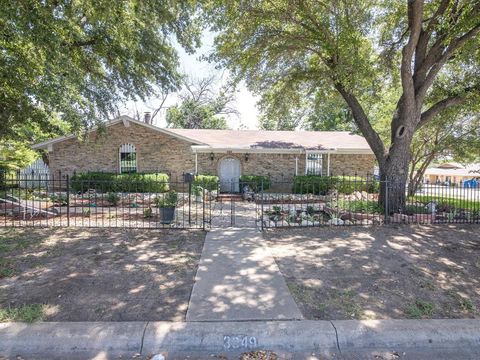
(167, 200)
(59, 199)
(148, 213)
(113, 198)
(255, 182)
(416, 209)
(81, 58)
(420, 309)
(112, 182)
(315, 184)
(200, 106)
(207, 182)
(361, 206)
(27, 313)
(447, 203)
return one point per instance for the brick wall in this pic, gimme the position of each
(155, 151)
(160, 152)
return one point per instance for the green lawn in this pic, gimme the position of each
(457, 203)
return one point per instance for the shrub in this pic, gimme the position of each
(113, 198)
(167, 200)
(112, 182)
(315, 184)
(255, 182)
(416, 209)
(147, 213)
(207, 182)
(361, 206)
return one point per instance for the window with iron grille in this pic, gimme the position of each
(314, 164)
(128, 159)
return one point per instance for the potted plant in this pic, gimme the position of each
(166, 206)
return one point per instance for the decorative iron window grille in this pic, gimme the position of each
(314, 164)
(128, 159)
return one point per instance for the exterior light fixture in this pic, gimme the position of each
(247, 157)
(212, 156)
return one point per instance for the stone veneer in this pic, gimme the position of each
(160, 152)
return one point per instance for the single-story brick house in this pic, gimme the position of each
(129, 145)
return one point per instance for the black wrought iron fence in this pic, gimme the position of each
(311, 201)
(63, 201)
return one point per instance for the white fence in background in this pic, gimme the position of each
(36, 175)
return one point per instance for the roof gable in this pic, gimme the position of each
(126, 120)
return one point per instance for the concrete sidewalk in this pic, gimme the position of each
(313, 340)
(238, 279)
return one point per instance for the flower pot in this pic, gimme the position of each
(167, 215)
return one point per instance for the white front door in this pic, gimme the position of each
(229, 173)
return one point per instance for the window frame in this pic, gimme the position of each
(127, 149)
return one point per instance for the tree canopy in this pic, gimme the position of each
(78, 59)
(363, 50)
(201, 106)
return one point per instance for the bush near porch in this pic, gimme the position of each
(112, 182)
(207, 182)
(315, 184)
(255, 182)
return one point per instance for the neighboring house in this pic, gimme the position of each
(129, 145)
(451, 173)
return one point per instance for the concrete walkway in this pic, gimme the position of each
(238, 279)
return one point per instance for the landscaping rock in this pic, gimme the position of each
(335, 221)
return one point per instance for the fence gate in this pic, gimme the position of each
(235, 208)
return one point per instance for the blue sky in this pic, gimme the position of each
(193, 67)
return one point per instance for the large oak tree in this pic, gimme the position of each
(78, 60)
(361, 49)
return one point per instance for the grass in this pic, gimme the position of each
(27, 313)
(419, 309)
(467, 204)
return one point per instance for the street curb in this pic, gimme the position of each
(109, 339)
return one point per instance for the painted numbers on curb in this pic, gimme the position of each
(234, 342)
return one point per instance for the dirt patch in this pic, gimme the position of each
(99, 274)
(387, 272)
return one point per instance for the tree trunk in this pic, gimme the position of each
(393, 175)
(394, 170)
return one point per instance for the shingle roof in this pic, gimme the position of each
(252, 139)
(258, 139)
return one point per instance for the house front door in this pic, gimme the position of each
(229, 173)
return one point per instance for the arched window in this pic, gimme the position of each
(128, 159)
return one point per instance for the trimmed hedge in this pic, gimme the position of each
(112, 182)
(207, 182)
(255, 182)
(314, 184)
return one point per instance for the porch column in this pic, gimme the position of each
(296, 165)
(328, 164)
(196, 163)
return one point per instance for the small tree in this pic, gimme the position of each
(201, 107)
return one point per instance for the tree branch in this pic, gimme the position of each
(415, 17)
(434, 110)
(362, 122)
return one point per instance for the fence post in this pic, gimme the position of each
(203, 205)
(386, 201)
(261, 211)
(68, 200)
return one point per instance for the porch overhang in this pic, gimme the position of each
(199, 149)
